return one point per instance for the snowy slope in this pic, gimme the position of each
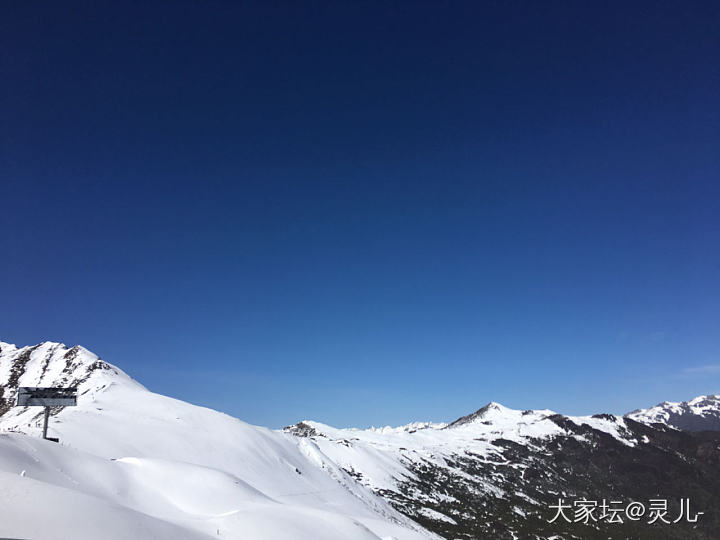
(701, 413)
(156, 467)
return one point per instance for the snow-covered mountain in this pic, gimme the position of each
(382, 458)
(494, 473)
(135, 464)
(701, 413)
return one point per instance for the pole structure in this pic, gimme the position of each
(45, 423)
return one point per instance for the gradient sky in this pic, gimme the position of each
(368, 213)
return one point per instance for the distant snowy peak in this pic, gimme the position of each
(496, 414)
(54, 364)
(490, 423)
(412, 427)
(492, 413)
(699, 414)
(479, 415)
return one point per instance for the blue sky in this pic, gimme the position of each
(368, 214)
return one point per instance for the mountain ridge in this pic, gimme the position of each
(81, 364)
(697, 414)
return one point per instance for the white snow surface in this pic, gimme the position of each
(135, 464)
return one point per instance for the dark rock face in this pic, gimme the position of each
(301, 429)
(690, 422)
(670, 465)
(17, 369)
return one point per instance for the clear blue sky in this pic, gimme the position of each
(368, 213)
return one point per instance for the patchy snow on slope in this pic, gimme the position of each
(609, 424)
(437, 516)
